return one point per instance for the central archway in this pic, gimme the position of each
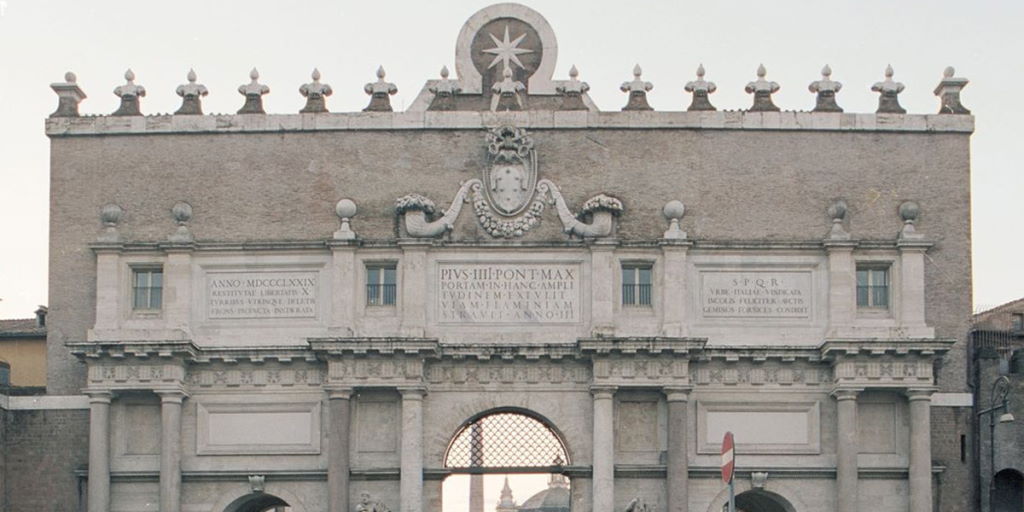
(258, 502)
(760, 500)
(511, 449)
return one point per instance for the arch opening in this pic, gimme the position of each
(1008, 495)
(258, 502)
(507, 460)
(759, 500)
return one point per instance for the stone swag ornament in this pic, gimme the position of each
(509, 199)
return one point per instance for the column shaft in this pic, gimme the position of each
(846, 451)
(920, 451)
(411, 483)
(604, 450)
(677, 478)
(170, 451)
(99, 452)
(338, 405)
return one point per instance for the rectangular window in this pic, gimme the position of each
(147, 288)
(1017, 322)
(873, 287)
(381, 284)
(636, 284)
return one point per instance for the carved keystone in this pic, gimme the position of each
(888, 101)
(129, 94)
(948, 91)
(191, 96)
(253, 92)
(700, 89)
(380, 93)
(762, 90)
(637, 90)
(316, 94)
(69, 95)
(826, 89)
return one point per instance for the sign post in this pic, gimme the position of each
(729, 467)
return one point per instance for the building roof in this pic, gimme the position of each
(21, 328)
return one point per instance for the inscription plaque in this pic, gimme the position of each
(501, 293)
(257, 295)
(755, 294)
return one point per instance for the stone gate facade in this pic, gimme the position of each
(306, 309)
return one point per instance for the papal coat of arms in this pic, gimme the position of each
(512, 174)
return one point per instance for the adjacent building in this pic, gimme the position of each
(339, 311)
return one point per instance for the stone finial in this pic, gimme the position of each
(444, 91)
(826, 89)
(572, 91)
(637, 90)
(316, 94)
(505, 95)
(700, 89)
(948, 92)
(909, 212)
(837, 212)
(380, 93)
(889, 102)
(256, 482)
(129, 94)
(181, 212)
(345, 209)
(191, 96)
(110, 216)
(69, 95)
(762, 90)
(673, 212)
(253, 92)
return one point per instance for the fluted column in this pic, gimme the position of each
(846, 449)
(338, 402)
(677, 478)
(99, 451)
(604, 449)
(920, 449)
(411, 483)
(170, 450)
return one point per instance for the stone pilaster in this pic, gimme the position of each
(99, 451)
(604, 448)
(338, 407)
(108, 289)
(414, 290)
(912, 295)
(674, 322)
(343, 276)
(177, 300)
(170, 450)
(602, 291)
(846, 450)
(411, 465)
(841, 284)
(920, 449)
(677, 479)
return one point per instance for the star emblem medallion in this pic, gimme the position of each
(506, 50)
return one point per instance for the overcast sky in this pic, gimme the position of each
(347, 40)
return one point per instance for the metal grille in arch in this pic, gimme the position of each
(506, 440)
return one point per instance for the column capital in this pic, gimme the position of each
(919, 393)
(677, 393)
(171, 395)
(603, 390)
(99, 395)
(412, 392)
(339, 392)
(846, 393)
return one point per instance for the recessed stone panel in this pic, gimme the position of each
(508, 293)
(767, 427)
(756, 294)
(261, 428)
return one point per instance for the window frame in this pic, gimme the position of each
(148, 269)
(636, 284)
(870, 288)
(378, 298)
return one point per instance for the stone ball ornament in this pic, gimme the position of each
(181, 212)
(111, 214)
(837, 210)
(345, 209)
(909, 211)
(674, 210)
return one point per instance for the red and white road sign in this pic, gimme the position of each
(728, 458)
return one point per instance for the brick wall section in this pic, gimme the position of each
(955, 488)
(41, 451)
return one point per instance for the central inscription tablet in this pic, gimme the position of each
(508, 293)
(260, 295)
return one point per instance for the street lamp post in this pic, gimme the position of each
(1000, 393)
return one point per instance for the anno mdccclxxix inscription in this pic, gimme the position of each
(267, 294)
(485, 293)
